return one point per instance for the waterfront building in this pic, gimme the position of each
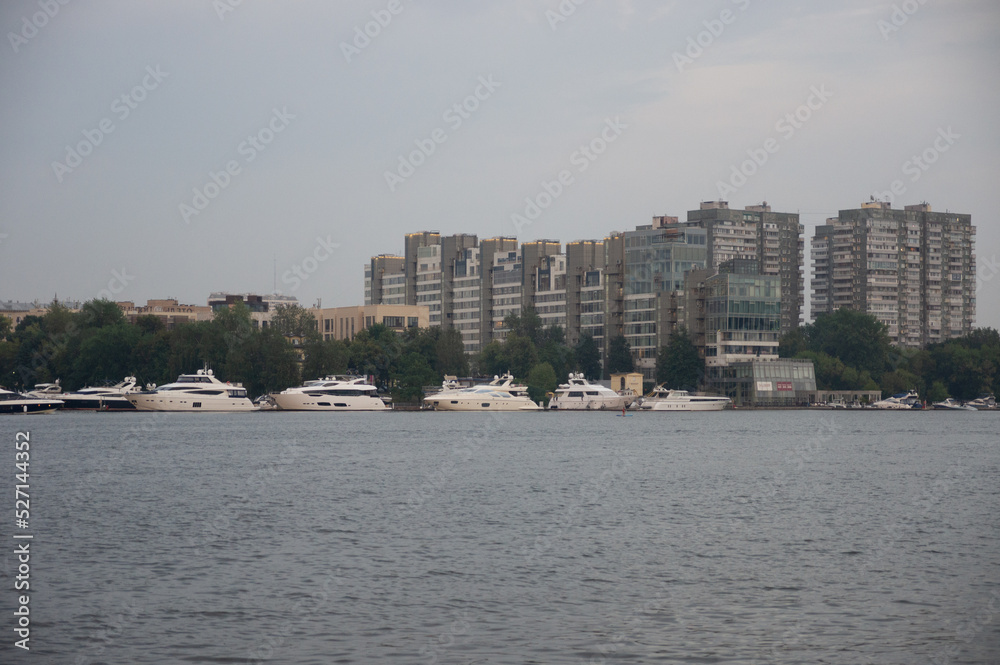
(766, 382)
(912, 269)
(344, 323)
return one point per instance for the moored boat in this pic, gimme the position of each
(12, 402)
(664, 399)
(952, 404)
(899, 401)
(500, 394)
(111, 398)
(333, 393)
(579, 394)
(194, 392)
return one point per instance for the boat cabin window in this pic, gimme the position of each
(576, 393)
(591, 392)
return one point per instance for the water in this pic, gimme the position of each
(735, 537)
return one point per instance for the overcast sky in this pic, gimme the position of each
(172, 149)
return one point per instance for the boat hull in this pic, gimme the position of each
(30, 406)
(713, 405)
(589, 403)
(448, 404)
(190, 403)
(88, 403)
(304, 402)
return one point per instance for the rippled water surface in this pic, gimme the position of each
(735, 537)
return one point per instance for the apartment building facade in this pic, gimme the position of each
(912, 269)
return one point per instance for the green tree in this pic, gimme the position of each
(520, 354)
(294, 321)
(937, 392)
(793, 343)
(541, 380)
(414, 373)
(105, 356)
(449, 354)
(620, 356)
(588, 357)
(678, 364)
(856, 338)
(526, 324)
(98, 314)
(491, 360)
(324, 357)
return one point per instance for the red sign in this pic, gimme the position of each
(785, 385)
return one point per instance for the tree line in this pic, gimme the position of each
(98, 345)
(852, 351)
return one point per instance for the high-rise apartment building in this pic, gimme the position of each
(385, 280)
(773, 239)
(913, 269)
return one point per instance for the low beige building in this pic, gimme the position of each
(167, 310)
(345, 322)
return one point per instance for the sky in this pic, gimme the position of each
(172, 149)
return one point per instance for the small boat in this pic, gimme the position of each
(12, 402)
(194, 392)
(111, 398)
(582, 395)
(663, 399)
(500, 394)
(333, 393)
(952, 404)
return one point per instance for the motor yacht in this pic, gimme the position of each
(663, 399)
(952, 404)
(11, 402)
(111, 398)
(45, 390)
(201, 391)
(580, 394)
(898, 401)
(333, 393)
(984, 402)
(485, 397)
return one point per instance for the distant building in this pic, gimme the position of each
(913, 269)
(763, 383)
(261, 307)
(168, 310)
(344, 323)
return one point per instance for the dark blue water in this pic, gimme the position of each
(735, 537)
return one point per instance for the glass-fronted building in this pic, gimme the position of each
(780, 382)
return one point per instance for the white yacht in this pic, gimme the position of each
(112, 398)
(194, 392)
(663, 399)
(11, 402)
(479, 398)
(334, 393)
(45, 390)
(984, 402)
(580, 394)
(952, 404)
(899, 401)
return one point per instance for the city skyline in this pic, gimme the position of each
(173, 151)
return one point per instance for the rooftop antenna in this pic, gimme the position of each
(274, 285)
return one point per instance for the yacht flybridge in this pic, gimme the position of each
(194, 392)
(334, 393)
(580, 394)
